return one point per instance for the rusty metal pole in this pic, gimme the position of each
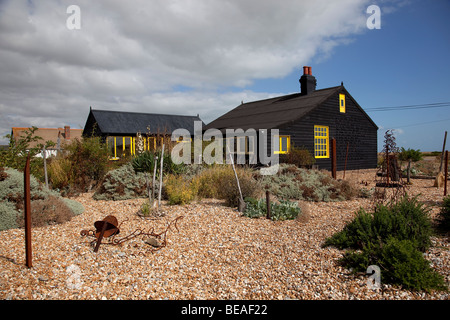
(445, 173)
(333, 158)
(27, 213)
(268, 203)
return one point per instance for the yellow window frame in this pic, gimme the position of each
(115, 157)
(288, 145)
(342, 103)
(321, 142)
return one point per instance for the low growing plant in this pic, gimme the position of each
(122, 184)
(47, 206)
(293, 183)
(400, 262)
(393, 237)
(179, 190)
(284, 210)
(407, 219)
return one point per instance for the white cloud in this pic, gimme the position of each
(136, 55)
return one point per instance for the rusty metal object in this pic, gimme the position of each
(110, 224)
(109, 228)
(389, 185)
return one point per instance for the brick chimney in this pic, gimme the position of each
(67, 132)
(307, 81)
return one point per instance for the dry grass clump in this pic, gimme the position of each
(217, 181)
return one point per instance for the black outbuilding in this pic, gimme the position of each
(119, 129)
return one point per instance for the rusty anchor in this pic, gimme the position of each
(109, 228)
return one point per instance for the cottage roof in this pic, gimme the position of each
(129, 123)
(274, 112)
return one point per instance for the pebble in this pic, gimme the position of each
(214, 253)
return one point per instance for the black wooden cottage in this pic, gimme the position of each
(311, 119)
(119, 129)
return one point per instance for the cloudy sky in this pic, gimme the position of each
(206, 56)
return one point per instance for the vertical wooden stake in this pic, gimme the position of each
(443, 148)
(445, 173)
(268, 203)
(333, 158)
(44, 156)
(27, 214)
(160, 176)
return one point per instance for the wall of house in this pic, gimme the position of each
(352, 128)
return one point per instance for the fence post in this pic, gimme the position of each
(333, 158)
(27, 213)
(268, 204)
(445, 173)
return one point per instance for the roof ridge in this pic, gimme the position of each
(149, 113)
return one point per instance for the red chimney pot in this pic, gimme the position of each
(67, 132)
(305, 70)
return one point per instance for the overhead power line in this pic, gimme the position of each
(411, 107)
(421, 123)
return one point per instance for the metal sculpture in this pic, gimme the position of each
(109, 228)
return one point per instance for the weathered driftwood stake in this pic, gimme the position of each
(44, 157)
(27, 213)
(241, 201)
(155, 165)
(443, 149)
(160, 176)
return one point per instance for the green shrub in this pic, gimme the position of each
(47, 206)
(15, 155)
(284, 210)
(121, 184)
(392, 237)
(8, 215)
(88, 162)
(444, 215)
(293, 183)
(401, 263)
(405, 220)
(300, 157)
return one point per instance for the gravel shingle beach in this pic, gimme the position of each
(216, 253)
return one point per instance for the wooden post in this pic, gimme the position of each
(445, 173)
(268, 204)
(44, 156)
(27, 213)
(235, 174)
(387, 164)
(333, 158)
(160, 176)
(443, 148)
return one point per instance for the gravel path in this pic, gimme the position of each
(215, 254)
